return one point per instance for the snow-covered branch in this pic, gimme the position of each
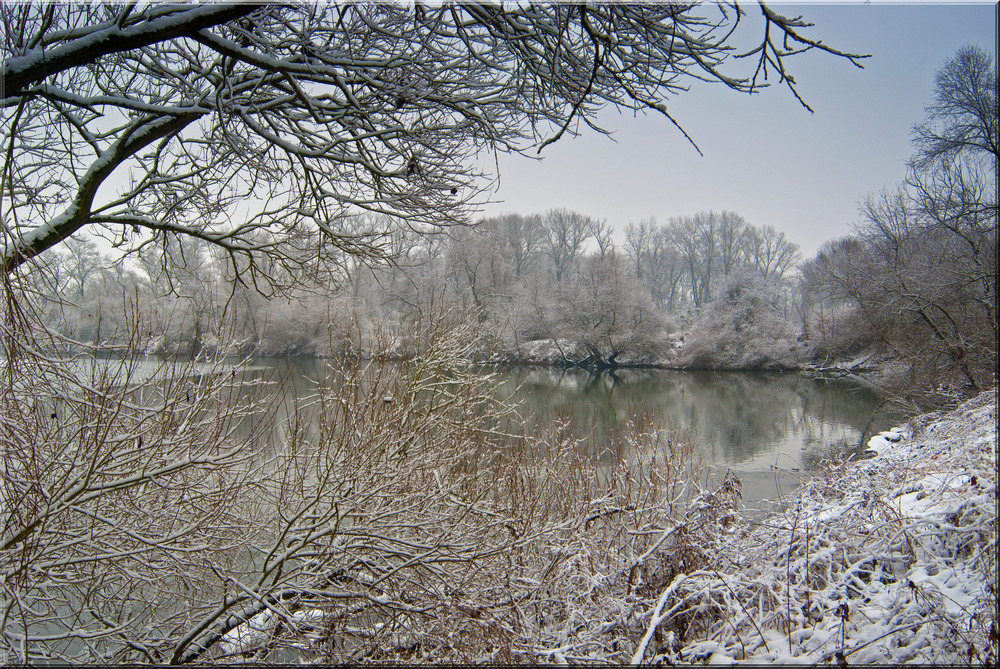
(34, 65)
(299, 115)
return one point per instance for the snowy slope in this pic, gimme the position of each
(890, 560)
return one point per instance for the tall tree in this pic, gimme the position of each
(733, 234)
(655, 260)
(521, 238)
(962, 118)
(696, 240)
(83, 261)
(771, 253)
(637, 240)
(565, 232)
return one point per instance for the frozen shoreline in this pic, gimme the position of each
(888, 560)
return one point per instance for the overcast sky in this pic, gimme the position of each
(766, 157)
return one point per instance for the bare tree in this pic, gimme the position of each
(83, 261)
(658, 265)
(566, 232)
(922, 270)
(237, 118)
(521, 239)
(923, 280)
(695, 238)
(666, 276)
(771, 253)
(954, 202)
(734, 233)
(477, 263)
(637, 240)
(928, 284)
(604, 237)
(962, 119)
(952, 179)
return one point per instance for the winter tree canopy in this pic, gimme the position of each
(257, 128)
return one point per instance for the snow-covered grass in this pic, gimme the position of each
(890, 560)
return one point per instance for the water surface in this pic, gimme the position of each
(769, 429)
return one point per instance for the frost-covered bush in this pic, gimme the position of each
(742, 329)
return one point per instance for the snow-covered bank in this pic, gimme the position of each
(889, 560)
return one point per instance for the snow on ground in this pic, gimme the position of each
(889, 560)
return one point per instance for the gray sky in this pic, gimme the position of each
(766, 157)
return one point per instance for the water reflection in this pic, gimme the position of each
(768, 428)
(751, 423)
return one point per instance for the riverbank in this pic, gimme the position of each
(887, 560)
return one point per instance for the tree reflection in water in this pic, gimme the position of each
(767, 427)
(752, 423)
